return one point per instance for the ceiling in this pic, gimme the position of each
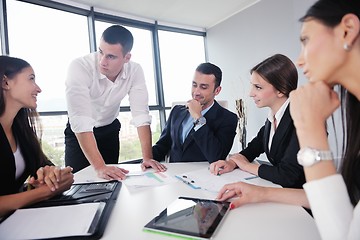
(193, 13)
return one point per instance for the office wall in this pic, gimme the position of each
(242, 41)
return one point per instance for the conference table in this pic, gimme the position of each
(134, 209)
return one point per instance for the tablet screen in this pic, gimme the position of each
(190, 217)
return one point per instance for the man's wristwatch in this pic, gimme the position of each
(309, 156)
(200, 121)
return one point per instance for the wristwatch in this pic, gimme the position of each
(309, 156)
(200, 121)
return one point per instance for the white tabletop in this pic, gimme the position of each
(253, 221)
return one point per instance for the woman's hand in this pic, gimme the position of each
(245, 193)
(51, 176)
(310, 106)
(65, 182)
(221, 166)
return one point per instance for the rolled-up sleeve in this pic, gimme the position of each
(77, 89)
(139, 100)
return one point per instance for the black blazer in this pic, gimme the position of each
(8, 183)
(211, 142)
(285, 170)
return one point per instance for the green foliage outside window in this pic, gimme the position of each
(129, 150)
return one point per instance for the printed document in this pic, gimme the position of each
(204, 179)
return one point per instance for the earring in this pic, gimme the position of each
(347, 47)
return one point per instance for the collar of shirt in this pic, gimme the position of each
(121, 76)
(188, 123)
(279, 114)
(206, 109)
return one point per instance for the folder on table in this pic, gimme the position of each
(79, 213)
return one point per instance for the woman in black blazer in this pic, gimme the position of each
(272, 80)
(20, 151)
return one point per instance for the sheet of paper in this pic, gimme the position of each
(148, 179)
(90, 175)
(49, 222)
(202, 178)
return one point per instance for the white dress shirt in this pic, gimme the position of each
(330, 204)
(94, 101)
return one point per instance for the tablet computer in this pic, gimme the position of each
(190, 217)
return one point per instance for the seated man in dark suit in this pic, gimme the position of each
(200, 130)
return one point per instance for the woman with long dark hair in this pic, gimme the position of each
(20, 151)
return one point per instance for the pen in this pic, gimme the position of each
(249, 178)
(187, 182)
(219, 169)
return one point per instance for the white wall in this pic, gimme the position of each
(242, 41)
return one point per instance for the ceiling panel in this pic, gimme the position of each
(194, 13)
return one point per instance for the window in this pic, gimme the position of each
(48, 45)
(180, 54)
(50, 35)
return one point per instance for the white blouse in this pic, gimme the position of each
(19, 162)
(335, 216)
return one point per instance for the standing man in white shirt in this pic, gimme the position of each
(95, 85)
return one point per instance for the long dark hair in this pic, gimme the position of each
(330, 13)
(26, 122)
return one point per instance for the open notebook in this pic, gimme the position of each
(79, 213)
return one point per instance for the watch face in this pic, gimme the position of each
(306, 157)
(200, 121)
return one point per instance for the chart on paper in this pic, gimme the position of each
(149, 179)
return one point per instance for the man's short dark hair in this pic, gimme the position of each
(208, 69)
(117, 34)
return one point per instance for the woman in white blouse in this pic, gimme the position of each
(330, 56)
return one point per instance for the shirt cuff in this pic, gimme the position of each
(81, 124)
(197, 127)
(330, 205)
(141, 120)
